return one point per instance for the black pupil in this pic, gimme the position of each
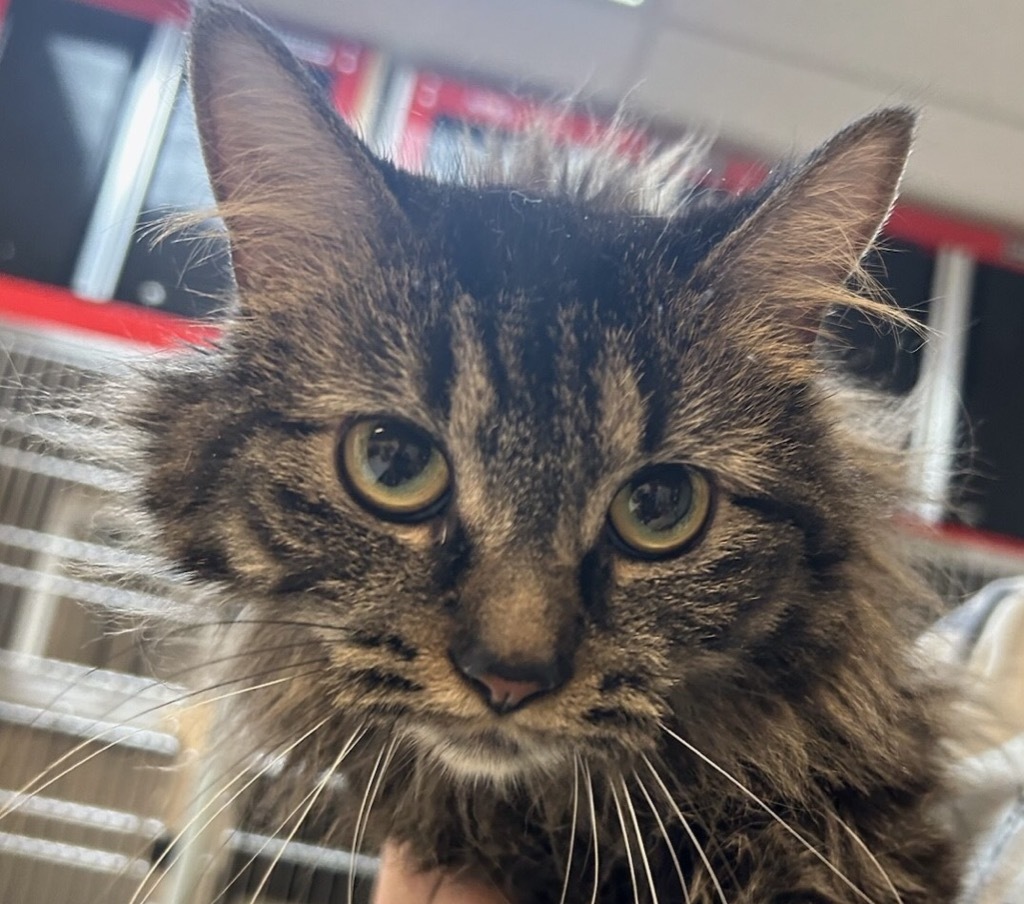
(396, 454)
(660, 502)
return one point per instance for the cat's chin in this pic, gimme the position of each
(489, 755)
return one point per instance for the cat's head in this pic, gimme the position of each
(509, 471)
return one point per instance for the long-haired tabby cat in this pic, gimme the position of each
(539, 517)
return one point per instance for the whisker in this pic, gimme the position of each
(593, 830)
(645, 860)
(838, 873)
(363, 817)
(206, 701)
(313, 797)
(689, 831)
(863, 846)
(182, 630)
(190, 824)
(175, 851)
(354, 739)
(269, 622)
(683, 885)
(572, 829)
(625, 841)
(241, 654)
(32, 787)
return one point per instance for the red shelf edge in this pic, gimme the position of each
(37, 304)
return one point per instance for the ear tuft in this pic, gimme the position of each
(850, 184)
(303, 199)
(796, 251)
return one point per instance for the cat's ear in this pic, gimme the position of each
(302, 198)
(808, 236)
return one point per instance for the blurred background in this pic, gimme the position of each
(98, 146)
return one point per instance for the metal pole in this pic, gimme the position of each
(122, 192)
(936, 433)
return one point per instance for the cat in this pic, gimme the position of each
(537, 513)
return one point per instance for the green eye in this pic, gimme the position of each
(660, 510)
(394, 469)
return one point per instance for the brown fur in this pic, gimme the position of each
(744, 719)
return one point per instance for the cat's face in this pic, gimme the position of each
(509, 474)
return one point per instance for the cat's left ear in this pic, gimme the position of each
(809, 235)
(304, 202)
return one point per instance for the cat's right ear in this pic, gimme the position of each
(787, 264)
(305, 205)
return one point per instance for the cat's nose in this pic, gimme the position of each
(507, 686)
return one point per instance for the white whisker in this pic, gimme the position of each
(269, 765)
(689, 831)
(310, 800)
(363, 817)
(664, 834)
(206, 701)
(861, 844)
(639, 839)
(572, 829)
(625, 841)
(354, 739)
(34, 787)
(838, 873)
(593, 831)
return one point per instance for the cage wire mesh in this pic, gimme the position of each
(109, 788)
(110, 791)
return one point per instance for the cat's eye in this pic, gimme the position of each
(394, 469)
(661, 510)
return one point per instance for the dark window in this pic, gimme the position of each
(184, 269)
(178, 260)
(879, 354)
(993, 400)
(64, 72)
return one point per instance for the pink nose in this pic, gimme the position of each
(506, 695)
(506, 686)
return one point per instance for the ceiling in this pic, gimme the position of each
(772, 77)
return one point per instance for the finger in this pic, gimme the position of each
(400, 882)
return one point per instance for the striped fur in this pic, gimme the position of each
(554, 339)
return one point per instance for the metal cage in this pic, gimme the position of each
(105, 770)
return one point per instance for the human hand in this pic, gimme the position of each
(399, 882)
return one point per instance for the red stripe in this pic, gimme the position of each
(35, 304)
(350, 66)
(739, 176)
(924, 228)
(435, 97)
(148, 10)
(932, 231)
(964, 536)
